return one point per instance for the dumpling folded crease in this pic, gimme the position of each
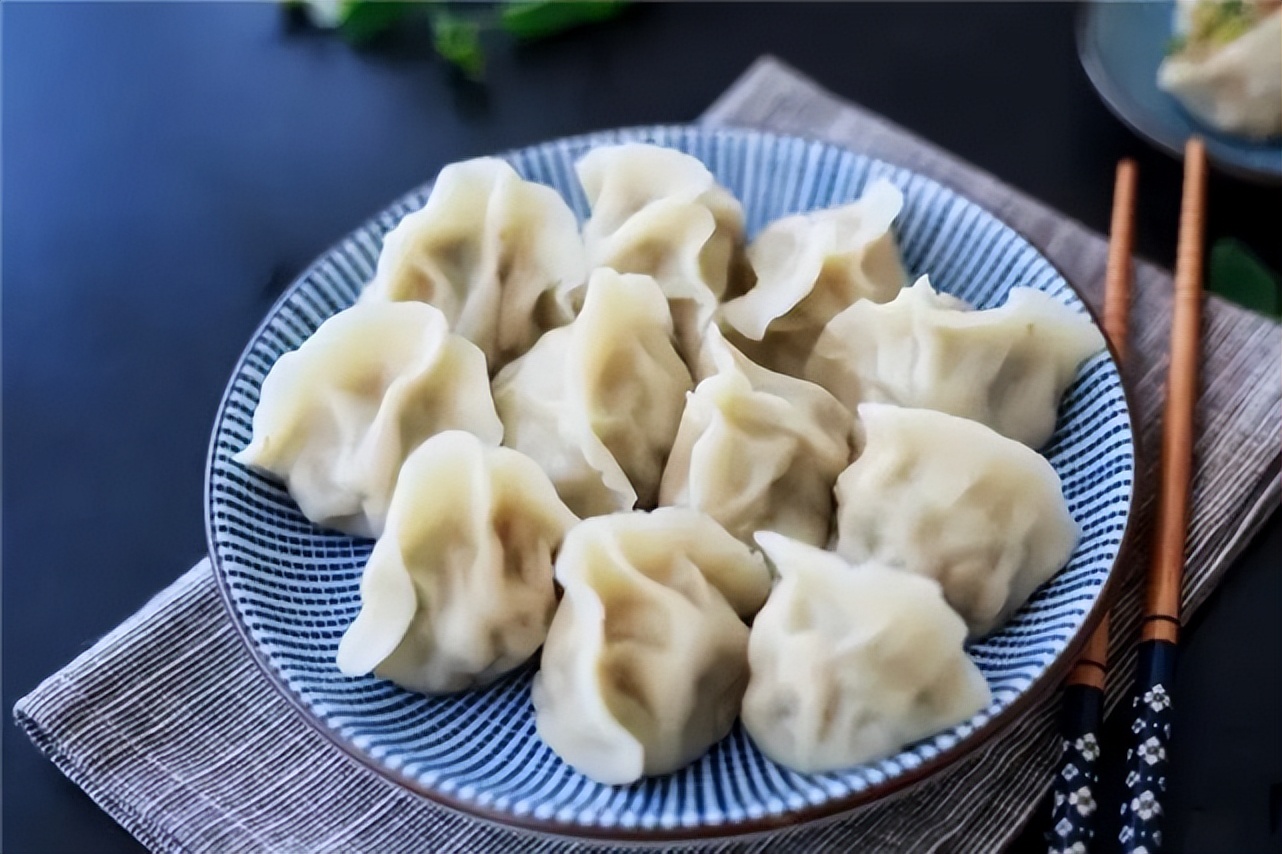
(459, 589)
(646, 660)
(337, 417)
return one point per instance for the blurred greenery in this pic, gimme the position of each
(457, 28)
(1236, 274)
(458, 41)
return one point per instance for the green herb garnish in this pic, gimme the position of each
(457, 34)
(458, 41)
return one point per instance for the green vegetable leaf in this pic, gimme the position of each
(1237, 275)
(536, 19)
(1176, 44)
(362, 21)
(458, 41)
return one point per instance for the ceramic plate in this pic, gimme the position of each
(293, 588)
(1121, 46)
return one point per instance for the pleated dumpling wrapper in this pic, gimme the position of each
(1228, 69)
(758, 450)
(852, 663)
(1006, 367)
(953, 500)
(810, 266)
(490, 250)
(338, 416)
(458, 590)
(660, 212)
(647, 658)
(597, 403)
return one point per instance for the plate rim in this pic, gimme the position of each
(1108, 92)
(832, 809)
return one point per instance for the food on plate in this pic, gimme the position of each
(758, 450)
(646, 661)
(953, 500)
(1225, 64)
(505, 376)
(338, 416)
(458, 590)
(851, 663)
(660, 212)
(490, 250)
(809, 267)
(597, 403)
(1006, 367)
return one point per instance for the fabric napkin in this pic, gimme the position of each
(168, 724)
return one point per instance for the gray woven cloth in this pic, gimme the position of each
(169, 725)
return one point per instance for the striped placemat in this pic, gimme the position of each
(168, 724)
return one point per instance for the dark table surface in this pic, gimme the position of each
(167, 168)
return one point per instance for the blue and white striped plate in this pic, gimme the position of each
(293, 588)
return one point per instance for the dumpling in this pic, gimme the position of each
(951, 499)
(458, 590)
(851, 663)
(660, 212)
(646, 661)
(490, 250)
(1228, 69)
(809, 267)
(1005, 367)
(757, 450)
(597, 403)
(338, 416)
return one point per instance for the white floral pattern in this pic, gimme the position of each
(1083, 800)
(1146, 762)
(1145, 805)
(1073, 802)
(1157, 699)
(1088, 746)
(1152, 751)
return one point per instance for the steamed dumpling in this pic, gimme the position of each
(1228, 71)
(646, 661)
(338, 416)
(851, 663)
(660, 212)
(490, 250)
(597, 403)
(458, 590)
(953, 500)
(809, 267)
(1005, 367)
(757, 450)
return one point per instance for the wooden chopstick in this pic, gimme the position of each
(1166, 572)
(1072, 810)
(1146, 760)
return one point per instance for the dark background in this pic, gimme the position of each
(167, 168)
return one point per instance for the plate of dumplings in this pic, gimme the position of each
(670, 483)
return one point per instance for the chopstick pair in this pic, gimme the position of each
(1074, 808)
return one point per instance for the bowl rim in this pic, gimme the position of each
(830, 810)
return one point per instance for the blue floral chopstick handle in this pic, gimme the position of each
(1146, 759)
(1073, 804)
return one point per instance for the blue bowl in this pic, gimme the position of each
(293, 588)
(1121, 44)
